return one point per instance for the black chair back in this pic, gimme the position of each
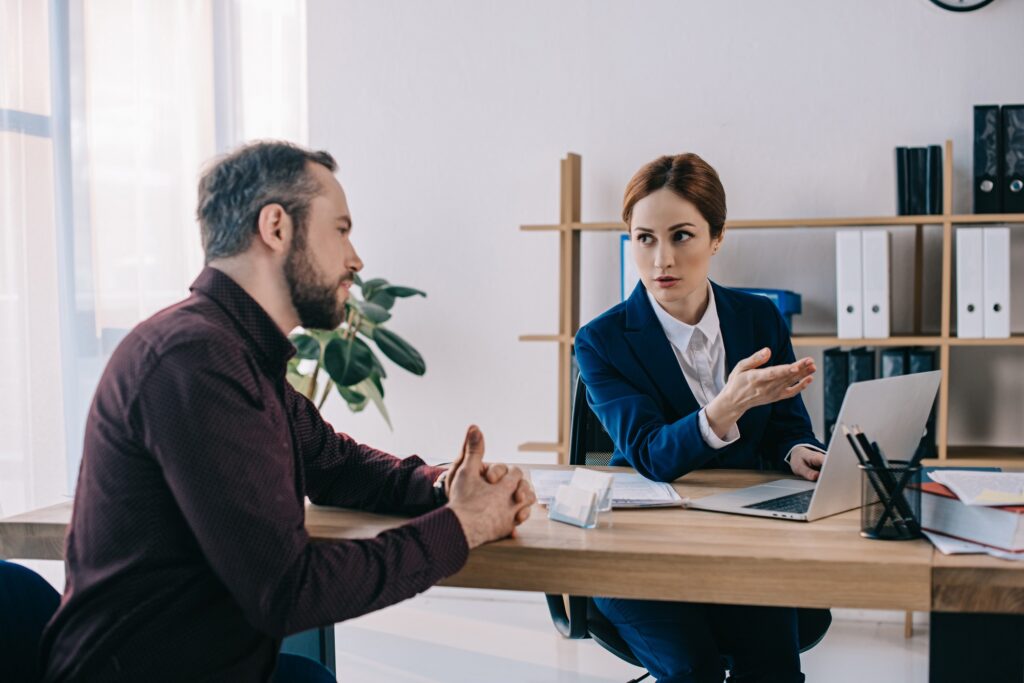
(27, 602)
(589, 443)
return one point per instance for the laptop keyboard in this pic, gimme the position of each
(795, 502)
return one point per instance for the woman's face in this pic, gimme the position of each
(672, 247)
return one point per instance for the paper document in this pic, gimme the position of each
(983, 488)
(948, 545)
(629, 490)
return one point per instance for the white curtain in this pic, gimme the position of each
(32, 447)
(156, 89)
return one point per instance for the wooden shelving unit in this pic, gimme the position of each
(571, 226)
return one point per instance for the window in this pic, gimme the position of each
(99, 188)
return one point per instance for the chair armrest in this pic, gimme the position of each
(571, 623)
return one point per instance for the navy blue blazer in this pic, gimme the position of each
(637, 389)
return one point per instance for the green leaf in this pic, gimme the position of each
(370, 287)
(306, 347)
(348, 361)
(403, 292)
(399, 351)
(370, 386)
(300, 383)
(375, 313)
(356, 279)
(354, 399)
(383, 299)
(378, 369)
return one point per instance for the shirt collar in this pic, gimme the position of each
(263, 333)
(678, 332)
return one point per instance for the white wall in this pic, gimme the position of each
(449, 117)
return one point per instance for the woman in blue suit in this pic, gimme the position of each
(687, 375)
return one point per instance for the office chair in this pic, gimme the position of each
(27, 602)
(577, 617)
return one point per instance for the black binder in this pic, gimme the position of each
(836, 371)
(894, 362)
(917, 178)
(902, 183)
(933, 180)
(862, 364)
(1012, 134)
(923, 360)
(987, 157)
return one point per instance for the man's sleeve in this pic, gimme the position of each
(218, 440)
(339, 471)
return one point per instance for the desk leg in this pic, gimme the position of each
(317, 644)
(975, 647)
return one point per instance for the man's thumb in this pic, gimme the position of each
(473, 448)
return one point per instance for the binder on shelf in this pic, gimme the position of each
(836, 371)
(902, 183)
(1012, 139)
(987, 190)
(875, 278)
(849, 290)
(996, 295)
(894, 361)
(861, 364)
(923, 360)
(917, 168)
(969, 286)
(933, 180)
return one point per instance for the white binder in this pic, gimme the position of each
(996, 280)
(849, 294)
(875, 259)
(970, 302)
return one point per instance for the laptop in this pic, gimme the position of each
(892, 411)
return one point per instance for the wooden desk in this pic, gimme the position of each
(686, 555)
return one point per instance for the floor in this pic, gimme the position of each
(460, 636)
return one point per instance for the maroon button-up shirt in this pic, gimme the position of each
(187, 556)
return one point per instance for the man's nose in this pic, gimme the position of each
(353, 262)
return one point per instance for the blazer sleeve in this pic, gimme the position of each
(659, 450)
(789, 424)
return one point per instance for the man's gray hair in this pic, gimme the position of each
(235, 189)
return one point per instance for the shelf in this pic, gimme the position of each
(809, 340)
(980, 218)
(856, 222)
(544, 338)
(1014, 340)
(540, 447)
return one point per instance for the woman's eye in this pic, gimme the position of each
(681, 236)
(643, 238)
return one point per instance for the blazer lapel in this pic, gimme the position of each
(654, 352)
(736, 325)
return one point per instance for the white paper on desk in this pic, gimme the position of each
(629, 490)
(983, 488)
(948, 545)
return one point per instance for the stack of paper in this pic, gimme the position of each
(983, 488)
(629, 490)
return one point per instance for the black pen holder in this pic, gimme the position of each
(890, 508)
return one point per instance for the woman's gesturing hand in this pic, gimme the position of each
(750, 385)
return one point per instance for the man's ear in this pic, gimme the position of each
(275, 228)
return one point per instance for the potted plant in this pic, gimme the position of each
(344, 354)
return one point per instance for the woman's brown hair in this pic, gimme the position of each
(688, 176)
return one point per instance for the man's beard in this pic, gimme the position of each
(316, 302)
